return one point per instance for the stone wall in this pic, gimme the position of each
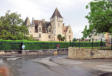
(82, 53)
(35, 52)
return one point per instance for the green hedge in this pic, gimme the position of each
(16, 45)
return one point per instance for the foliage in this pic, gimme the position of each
(37, 45)
(85, 32)
(60, 38)
(99, 17)
(74, 39)
(12, 27)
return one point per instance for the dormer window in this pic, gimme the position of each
(49, 29)
(39, 35)
(40, 30)
(69, 37)
(49, 36)
(36, 30)
(58, 24)
(69, 31)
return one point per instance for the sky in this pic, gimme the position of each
(73, 11)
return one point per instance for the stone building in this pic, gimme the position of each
(49, 30)
(100, 36)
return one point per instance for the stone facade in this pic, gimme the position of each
(83, 53)
(98, 37)
(49, 30)
(104, 36)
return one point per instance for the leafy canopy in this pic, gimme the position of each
(85, 32)
(60, 38)
(100, 16)
(12, 27)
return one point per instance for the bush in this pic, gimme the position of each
(37, 45)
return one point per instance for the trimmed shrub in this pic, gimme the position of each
(33, 45)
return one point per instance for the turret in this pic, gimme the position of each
(56, 16)
(27, 21)
(56, 22)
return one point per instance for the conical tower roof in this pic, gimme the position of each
(56, 13)
(27, 21)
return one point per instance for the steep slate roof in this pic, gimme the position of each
(65, 29)
(44, 25)
(36, 22)
(56, 13)
(27, 21)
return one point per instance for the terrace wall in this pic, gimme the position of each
(83, 53)
(35, 52)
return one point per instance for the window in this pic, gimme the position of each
(39, 29)
(69, 31)
(69, 37)
(36, 29)
(49, 36)
(58, 24)
(49, 29)
(39, 35)
(54, 31)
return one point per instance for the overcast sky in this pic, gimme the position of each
(73, 11)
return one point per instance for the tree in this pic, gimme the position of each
(74, 39)
(5, 35)
(62, 38)
(100, 16)
(12, 27)
(59, 37)
(86, 32)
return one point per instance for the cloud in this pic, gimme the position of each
(26, 8)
